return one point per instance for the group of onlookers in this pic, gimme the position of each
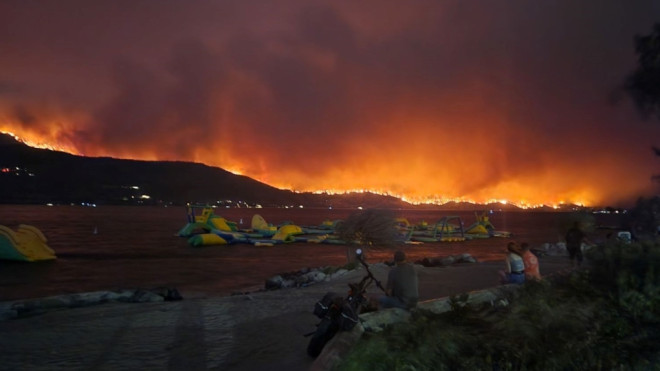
(521, 264)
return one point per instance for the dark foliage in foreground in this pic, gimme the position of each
(644, 219)
(601, 318)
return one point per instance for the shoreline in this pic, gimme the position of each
(22, 307)
(259, 330)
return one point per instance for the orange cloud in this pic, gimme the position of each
(431, 101)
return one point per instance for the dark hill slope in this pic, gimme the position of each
(51, 176)
(39, 176)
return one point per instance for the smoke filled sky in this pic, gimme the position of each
(429, 100)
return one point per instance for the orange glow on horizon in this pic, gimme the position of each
(504, 192)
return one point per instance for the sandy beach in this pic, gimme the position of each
(255, 331)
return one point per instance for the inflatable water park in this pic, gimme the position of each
(205, 228)
(26, 244)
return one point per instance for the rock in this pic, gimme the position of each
(173, 295)
(337, 348)
(288, 283)
(301, 280)
(168, 294)
(436, 306)
(435, 262)
(338, 273)
(315, 276)
(449, 260)
(466, 258)
(145, 296)
(274, 282)
(377, 321)
(425, 262)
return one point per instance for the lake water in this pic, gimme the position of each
(137, 247)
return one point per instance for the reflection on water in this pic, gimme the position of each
(114, 247)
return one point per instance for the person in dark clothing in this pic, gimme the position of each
(402, 285)
(574, 239)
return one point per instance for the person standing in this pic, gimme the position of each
(574, 239)
(531, 263)
(515, 267)
(402, 290)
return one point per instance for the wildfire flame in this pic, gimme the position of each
(532, 199)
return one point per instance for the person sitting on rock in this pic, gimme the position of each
(515, 266)
(402, 285)
(531, 263)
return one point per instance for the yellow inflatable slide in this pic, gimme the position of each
(26, 244)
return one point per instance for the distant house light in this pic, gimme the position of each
(145, 197)
(135, 187)
(359, 207)
(301, 206)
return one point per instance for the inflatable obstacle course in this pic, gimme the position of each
(259, 226)
(26, 244)
(483, 228)
(206, 228)
(204, 222)
(447, 229)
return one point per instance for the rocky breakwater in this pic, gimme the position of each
(309, 276)
(30, 307)
(447, 260)
(303, 277)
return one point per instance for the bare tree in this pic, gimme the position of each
(368, 228)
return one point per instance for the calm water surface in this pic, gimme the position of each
(137, 247)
